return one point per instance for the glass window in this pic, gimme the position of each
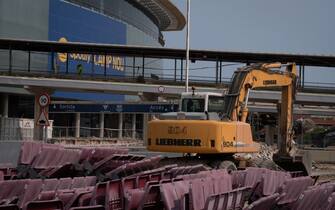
(215, 104)
(193, 105)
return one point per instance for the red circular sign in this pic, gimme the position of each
(44, 100)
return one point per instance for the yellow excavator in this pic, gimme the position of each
(213, 127)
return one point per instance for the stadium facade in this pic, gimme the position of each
(125, 22)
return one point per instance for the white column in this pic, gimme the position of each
(145, 128)
(102, 124)
(38, 130)
(134, 126)
(120, 125)
(77, 133)
(4, 105)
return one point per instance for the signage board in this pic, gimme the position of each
(113, 108)
(43, 119)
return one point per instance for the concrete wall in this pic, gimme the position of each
(10, 151)
(24, 19)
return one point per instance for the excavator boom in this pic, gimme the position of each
(263, 76)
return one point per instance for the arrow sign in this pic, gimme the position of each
(43, 120)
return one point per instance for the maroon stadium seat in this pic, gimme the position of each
(234, 199)
(268, 202)
(64, 183)
(114, 197)
(50, 184)
(151, 197)
(79, 182)
(222, 183)
(32, 189)
(292, 188)
(11, 190)
(314, 198)
(173, 194)
(271, 180)
(331, 202)
(73, 199)
(142, 179)
(253, 176)
(199, 190)
(269, 184)
(85, 199)
(99, 194)
(46, 158)
(98, 207)
(238, 178)
(29, 150)
(91, 180)
(9, 207)
(43, 205)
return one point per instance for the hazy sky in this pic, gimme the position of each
(287, 26)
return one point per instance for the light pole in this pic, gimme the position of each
(187, 45)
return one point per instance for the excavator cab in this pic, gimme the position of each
(198, 106)
(201, 102)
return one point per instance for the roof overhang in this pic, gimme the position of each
(166, 53)
(164, 13)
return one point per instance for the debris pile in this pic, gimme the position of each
(265, 152)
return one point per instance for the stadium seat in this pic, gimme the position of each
(43, 205)
(292, 188)
(267, 202)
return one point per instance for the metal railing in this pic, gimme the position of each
(63, 131)
(88, 132)
(17, 134)
(50, 59)
(39, 64)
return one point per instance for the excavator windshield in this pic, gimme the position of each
(215, 104)
(193, 105)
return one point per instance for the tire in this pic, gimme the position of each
(268, 164)
(227, 164)
(255, 162)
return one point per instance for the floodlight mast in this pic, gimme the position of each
(187, 45)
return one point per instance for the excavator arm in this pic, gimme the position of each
(264, 76)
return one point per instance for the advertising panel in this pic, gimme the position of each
(72, 23)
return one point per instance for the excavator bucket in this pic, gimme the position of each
(293, 163)
(308, 161)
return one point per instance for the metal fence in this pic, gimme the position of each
(32, 63)
(17, 129)
(88, 132)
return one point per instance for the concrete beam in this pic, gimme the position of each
(98, 86)
(168, 90)
(320, 111)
